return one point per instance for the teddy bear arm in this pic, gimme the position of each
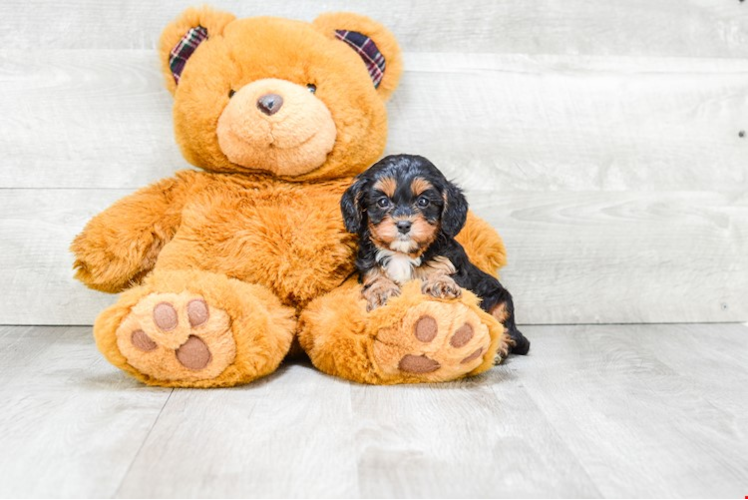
(119, 246)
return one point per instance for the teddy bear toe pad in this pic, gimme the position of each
(171, 336)
(436, 341)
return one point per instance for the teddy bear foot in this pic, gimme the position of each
(195, 329)
(170, 336)
(435, 342)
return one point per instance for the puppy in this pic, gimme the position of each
(407, 214)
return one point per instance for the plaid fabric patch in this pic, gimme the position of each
(184, 49)
(367, 50)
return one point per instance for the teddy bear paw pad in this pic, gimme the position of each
(171, 336)
(435, 342)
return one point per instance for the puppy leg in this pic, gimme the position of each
(495, 299)
(436, 278)
(440, 285)
(503, 310)
(378, 288)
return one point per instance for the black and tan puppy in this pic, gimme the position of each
(407, 214)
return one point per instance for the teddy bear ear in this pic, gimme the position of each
(374, 43)
(184, 35)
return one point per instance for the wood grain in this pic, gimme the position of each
(36, 230)
(100, 118)
(71, 424)
(478, 438)
(640, 427)
(510, 123)
(695, 28)
(287, 435)
(628, 257)
(594, 411)
(89, 118)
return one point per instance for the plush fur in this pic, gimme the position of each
(221, 269)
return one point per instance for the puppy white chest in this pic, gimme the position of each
(398, 266)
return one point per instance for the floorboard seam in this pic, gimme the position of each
(562, 437)
(140, 448)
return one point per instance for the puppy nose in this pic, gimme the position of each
(270, 103)
(403, 226)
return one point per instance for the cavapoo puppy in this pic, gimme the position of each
(407, 214)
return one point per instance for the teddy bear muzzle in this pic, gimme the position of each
(276, 126)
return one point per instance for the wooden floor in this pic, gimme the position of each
(594, 411)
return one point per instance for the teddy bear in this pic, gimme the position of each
(222, 270)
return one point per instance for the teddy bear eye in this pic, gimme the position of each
(311, 87)
(231, 93)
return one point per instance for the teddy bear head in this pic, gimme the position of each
(296, 100)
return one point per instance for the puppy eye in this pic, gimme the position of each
(231, 93)
(423, 202)
(311, 88)
(383, 202)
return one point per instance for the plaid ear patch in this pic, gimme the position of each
(184, 49)
(367, 50)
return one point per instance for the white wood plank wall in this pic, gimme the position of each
(600, 138)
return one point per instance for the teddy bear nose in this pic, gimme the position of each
(270, 103)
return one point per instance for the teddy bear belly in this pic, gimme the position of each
(298, 247)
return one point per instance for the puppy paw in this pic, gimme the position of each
(441, 286)
(503, 350)
(379, 292)
(517, 343)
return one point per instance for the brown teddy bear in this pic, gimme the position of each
(222, 269)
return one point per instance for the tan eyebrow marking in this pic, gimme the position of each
(387, 185)
(420, 185)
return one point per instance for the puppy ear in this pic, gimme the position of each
(182, 37)
(350, 206)
(455, 210)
